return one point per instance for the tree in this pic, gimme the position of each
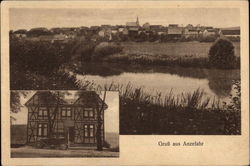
(221, 54)
(100, 106)
(15, 102)
(48, 97)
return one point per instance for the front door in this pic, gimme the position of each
(71, 134)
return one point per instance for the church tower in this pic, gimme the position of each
(137, 21)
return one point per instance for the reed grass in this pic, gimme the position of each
(188, 113)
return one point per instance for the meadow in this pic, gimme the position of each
(194, 49)
(184, 54)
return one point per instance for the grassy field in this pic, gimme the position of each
(184, 54)
(194, 49)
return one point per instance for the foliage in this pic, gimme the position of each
(190, 113)
(115, 149)
(221, 54)
(15, 97)
(233, 111)
(15, 101)
(104, 49)
(106, 144)
(38, 32)
(38, 57)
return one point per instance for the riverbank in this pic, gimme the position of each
(142, 113)
(184, 54)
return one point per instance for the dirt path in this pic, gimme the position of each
(29, 152)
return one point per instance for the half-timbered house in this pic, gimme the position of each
(76, 121)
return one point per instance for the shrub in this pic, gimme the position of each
(106, 144)
(221, 54)
(104, 49)
(115, 149)
(40, 57)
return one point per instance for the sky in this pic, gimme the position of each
(27, 18)
(111, 115)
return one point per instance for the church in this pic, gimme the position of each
(133, 27)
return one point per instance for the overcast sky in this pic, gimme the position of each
(28, 18)
(111, 115)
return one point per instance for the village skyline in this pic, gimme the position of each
(62, 18)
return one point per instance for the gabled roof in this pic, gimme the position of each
(230, 32)
(133, 28)
(131, 24)
(210, 30)
(44, 97)
(85, 97)
(90, 97)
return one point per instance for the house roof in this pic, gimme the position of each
(89, 97)
(131, 24)
(230, 32)
(44, 97)
(133, 28)
(210, 30)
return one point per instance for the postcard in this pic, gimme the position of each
(125, 83)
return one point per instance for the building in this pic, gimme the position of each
(174, 31)
(146, 26)
(21, 33)
(75, 121)
(59, 37)
(133, 24)
(133, 27)
(190, 33)
(158, 29)
(230, 32)
(209, 33)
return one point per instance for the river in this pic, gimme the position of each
(215, 83)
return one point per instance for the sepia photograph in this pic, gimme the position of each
(177, 70)
(125, 82)
(64, 124)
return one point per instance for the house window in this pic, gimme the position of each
(89, 130)
(88, 112)
(43, 112)
(42, 129)
(66, 112)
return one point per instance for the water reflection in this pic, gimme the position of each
(162, 79)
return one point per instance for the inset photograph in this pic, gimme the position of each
(64, 124)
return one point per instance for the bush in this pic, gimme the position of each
(104, 49)
(106, 144)
(115, 149)
(40, 57)
(221, 54)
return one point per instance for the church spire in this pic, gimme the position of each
(137, 21)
